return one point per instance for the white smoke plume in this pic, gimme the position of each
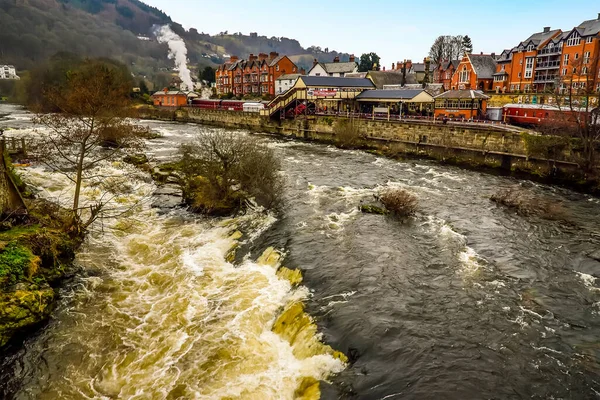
(177, 52)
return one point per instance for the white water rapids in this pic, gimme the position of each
(166, 316)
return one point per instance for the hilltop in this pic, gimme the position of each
(34, 30)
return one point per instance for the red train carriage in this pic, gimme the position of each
(215, 104)
(532, 115)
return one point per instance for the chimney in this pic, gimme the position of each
(233, 58)
(262, 56)
(393, 66)
(302, 71)
(481, 53)
(493, 55)
(252, 57)
(598, 16)
(352, 57)
(547, 29)
(384, 69)
(336, 59)
(165, 90)
(315, 62)
(398, 64)
(273, 55)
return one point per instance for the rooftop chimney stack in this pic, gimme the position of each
(273, 55)
(393, 66)
(546, 29)
(233, 58)
(598, 16)
(352, 58)
(262, 56)
(336, 59)
(315, 62)
(384, 68)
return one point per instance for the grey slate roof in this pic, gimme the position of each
(402, 94)
(418, 67)
(288, 76)
(539, 37)
(381, 78)
(484, 65)
(589, 28)
(339, 67)
(275, 60)
(462, 94)
(335, 81)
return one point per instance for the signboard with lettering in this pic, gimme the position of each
(323, 93)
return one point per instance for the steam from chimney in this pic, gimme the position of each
(177, 52)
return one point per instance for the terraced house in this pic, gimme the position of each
(253, 77)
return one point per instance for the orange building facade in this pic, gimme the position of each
(474, 72)
(550, 58)
(253, 77)
(169, 98)
(445, 72)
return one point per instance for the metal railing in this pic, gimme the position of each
(548, 64)
(553, 50)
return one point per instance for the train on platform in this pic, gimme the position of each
(228, 105)
(535, 115)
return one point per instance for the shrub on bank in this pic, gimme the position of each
(399, 201)
(222, 171)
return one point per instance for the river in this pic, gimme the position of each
(466, 300)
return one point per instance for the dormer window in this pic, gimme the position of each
(530, 47)
(574, 40)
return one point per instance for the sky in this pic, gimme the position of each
(395, 30)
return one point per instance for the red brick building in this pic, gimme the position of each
(253, 77)
(474, 72)
(444, 73)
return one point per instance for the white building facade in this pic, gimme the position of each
(335, 68)
(285, 82)
(8, 72)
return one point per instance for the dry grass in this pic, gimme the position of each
(526, 203)
(399, 202)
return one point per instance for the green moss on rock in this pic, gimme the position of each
(373, 209)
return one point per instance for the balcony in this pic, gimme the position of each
(550, 51)
(545, 79)
(548, 65)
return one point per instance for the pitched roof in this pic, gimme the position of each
(484, 65)
(381, 78)
(589, 28)
(462, 94)
(276, 60)
(170, 93)
(401, 94)
(335, 81)
(540, 37)
(339, 67)
(288, 76)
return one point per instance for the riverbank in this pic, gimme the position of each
(484, 148)
(36, 255)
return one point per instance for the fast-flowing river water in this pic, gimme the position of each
(467, 300)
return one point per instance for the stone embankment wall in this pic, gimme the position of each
(467, 144)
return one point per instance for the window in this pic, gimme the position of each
(576, 56)
(584, 70)
(519, 74)
(521, 61)
(574, 70)
(528, 67)
(564, 72)
(318, 74)
(566, 59)
(277, 67)
(464, 75)
(574, 40)
(530, 47)
(589, 39)
(586, 57)
(527, 88)
(512, 87)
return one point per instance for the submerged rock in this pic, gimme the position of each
(373, 209)
(23, 308)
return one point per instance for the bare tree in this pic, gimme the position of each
(91, 128)
(577, 100)
(447, 48)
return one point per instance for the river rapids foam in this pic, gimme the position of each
(167, 315)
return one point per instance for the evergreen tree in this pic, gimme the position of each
(207, 74)
(368, 61)
(467, 44)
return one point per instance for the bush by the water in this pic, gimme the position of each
(222, 171)
(526, 203)
(399, 201)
